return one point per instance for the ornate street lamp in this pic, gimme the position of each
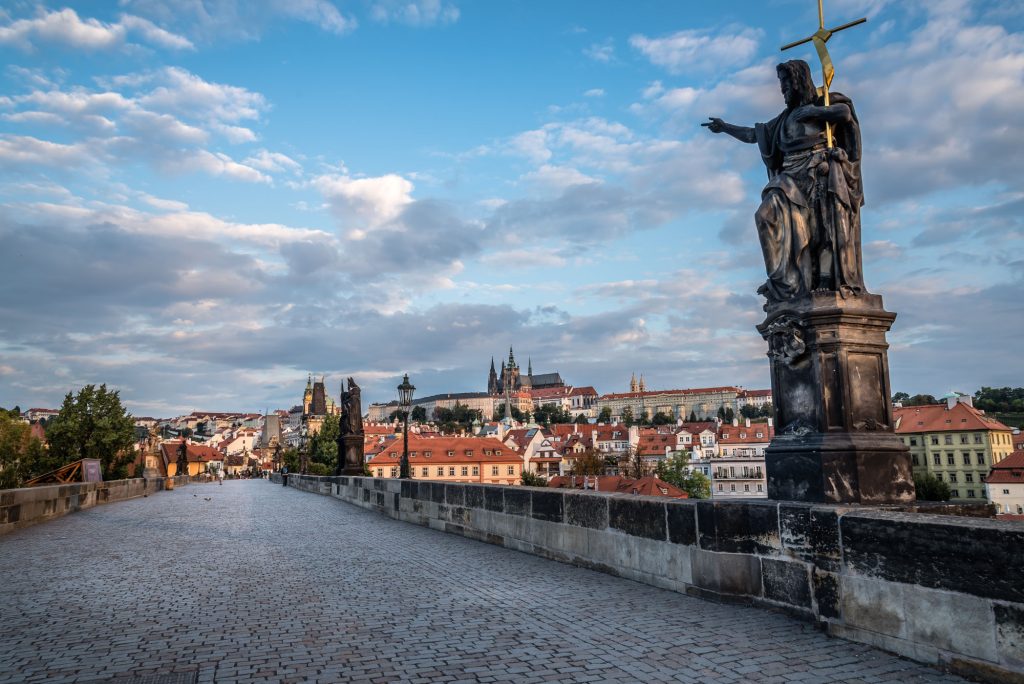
(405, 391)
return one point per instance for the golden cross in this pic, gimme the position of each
(819, 38)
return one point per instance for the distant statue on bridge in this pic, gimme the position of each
(350, 432)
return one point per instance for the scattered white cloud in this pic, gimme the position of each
(414, 12)
(594, 92)
(64, 27)
(699, 50)
(603, 52)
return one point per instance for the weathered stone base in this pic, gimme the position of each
(840, 468)
(352, 454)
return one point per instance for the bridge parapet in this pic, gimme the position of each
(30, 505)
(935, 588)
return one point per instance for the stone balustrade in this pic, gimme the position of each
(935, 588)
(30, 505)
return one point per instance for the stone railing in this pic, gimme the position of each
(30, 505)
(940, 589)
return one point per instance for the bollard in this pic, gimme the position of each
(169, 484)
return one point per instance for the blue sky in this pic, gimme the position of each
(202, 201)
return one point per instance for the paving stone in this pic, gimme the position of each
(264, 583)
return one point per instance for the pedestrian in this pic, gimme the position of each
(220, 477)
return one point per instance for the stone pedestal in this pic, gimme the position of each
(834, 439)
(350, 456)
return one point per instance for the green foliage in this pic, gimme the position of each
(729, 415)
(676, 471)
(517, 415)
(916, 400)
(633, 465)
(930, 488)
(533, 480)
(1002, 399)
(693, 417)
(589, 462)
(418, 413)
(290, 459)
(605, 415)
(581, 420)
(767, 410)
(662, 419)
(627, 416)
(319, 469)
(14, 439)
(458, 417)
(94, 424)
(749, 411)
(547, 414)
(323, 446)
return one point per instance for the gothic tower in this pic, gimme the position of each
(492, 380)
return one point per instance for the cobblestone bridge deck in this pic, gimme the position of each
(250, 581)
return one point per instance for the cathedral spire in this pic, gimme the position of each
(511, 358)
(529, 366)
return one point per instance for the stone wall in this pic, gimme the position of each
(938, 589)
(30, 505)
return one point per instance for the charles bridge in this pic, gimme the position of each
(252, 581)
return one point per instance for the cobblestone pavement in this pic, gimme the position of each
(251, 581)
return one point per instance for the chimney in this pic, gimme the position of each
(747, 422)
(951, 402)
(735, 422)
(770, 422)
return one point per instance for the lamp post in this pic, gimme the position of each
(405, 391)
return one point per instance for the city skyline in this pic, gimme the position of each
(200, 208)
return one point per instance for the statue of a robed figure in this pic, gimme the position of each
(351, 440)
(825, 332)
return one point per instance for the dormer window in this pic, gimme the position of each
(451, 453)
(412, 454)
(760, 435)
(426, 454)
(497, 452)
(469, 452)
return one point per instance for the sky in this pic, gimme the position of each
(203, 201)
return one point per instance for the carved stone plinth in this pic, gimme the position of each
(834, 439)
(351, 455)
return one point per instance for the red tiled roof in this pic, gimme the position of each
(939, 418)
(440, 446)
(654, 393)
(587, 391)
(196, 453)
(645, 486)
(746, 435)
(756, 393)
(550, 392)
(1008, 471)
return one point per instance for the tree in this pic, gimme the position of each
(581, 420)
(517, 415)
(749, 411)
(627, 416)
(900, 397)
(1003, 399)
(662, 419)
(730, 415)
(693, 417)
(419, 413)
(721, 413)
(930, 488)
(920, 400)
(676, 471)
(605, 415)
(633, 464)
(15, 437)
(588, 462)
(94, 424)
(533, 479)
(767, 410)
(323, 446)
(458, 418)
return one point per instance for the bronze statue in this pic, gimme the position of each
(350, 431)
(809, 219)
(181, 467)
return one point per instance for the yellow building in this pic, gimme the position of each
(955, 442)
(451, 459)
(201, 458)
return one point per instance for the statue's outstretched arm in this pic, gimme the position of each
(837, 113)
(741, 133)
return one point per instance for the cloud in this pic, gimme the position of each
(361, 204)
(699, 50)
(64, 27)
(603, 52)
(594, 92)
(414, 12)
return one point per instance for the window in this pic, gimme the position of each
(950, 460)
(451, 471)
(394, 471)
(426, 454)
(760, 488)
(440, 471)
(915, 460)
(494, 470)
(746, 488)
(476, 470)
(465, 470)
(967, 458)
(732, 488)
(935, 439)
(913, 441)
(511, 470)
(719, 487)
(469, 452)
(969, 477)
(981, 457)
(426, 471)
(760, 435)
(497, 452)
(970, 493)
(380, 472)
(412, 454)
(1006, 491)
(952, 477)
(963, 439)
(947, 439)
(954, 493)
(936, 459)
(451, 453)
(978, 439)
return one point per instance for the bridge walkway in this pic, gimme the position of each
(251, 581)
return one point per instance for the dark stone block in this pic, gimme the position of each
(682, 523)
(786, 582)
(455, 494)
(408, 486)
(826, 593)
(378, 484)
(343, 481)
(437, 492)
(517, 501)
(379, 498)
(397, 499)
(961, 554)
(586, 510)
(494, 499)
(638, 517)
(547, 506)
(739, 527)
(811, 533)
(452, 528)
(366, 495)
(474, 497)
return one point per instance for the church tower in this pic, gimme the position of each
(307, 396)
(492, 381)
(633, 387)
(643, 385)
